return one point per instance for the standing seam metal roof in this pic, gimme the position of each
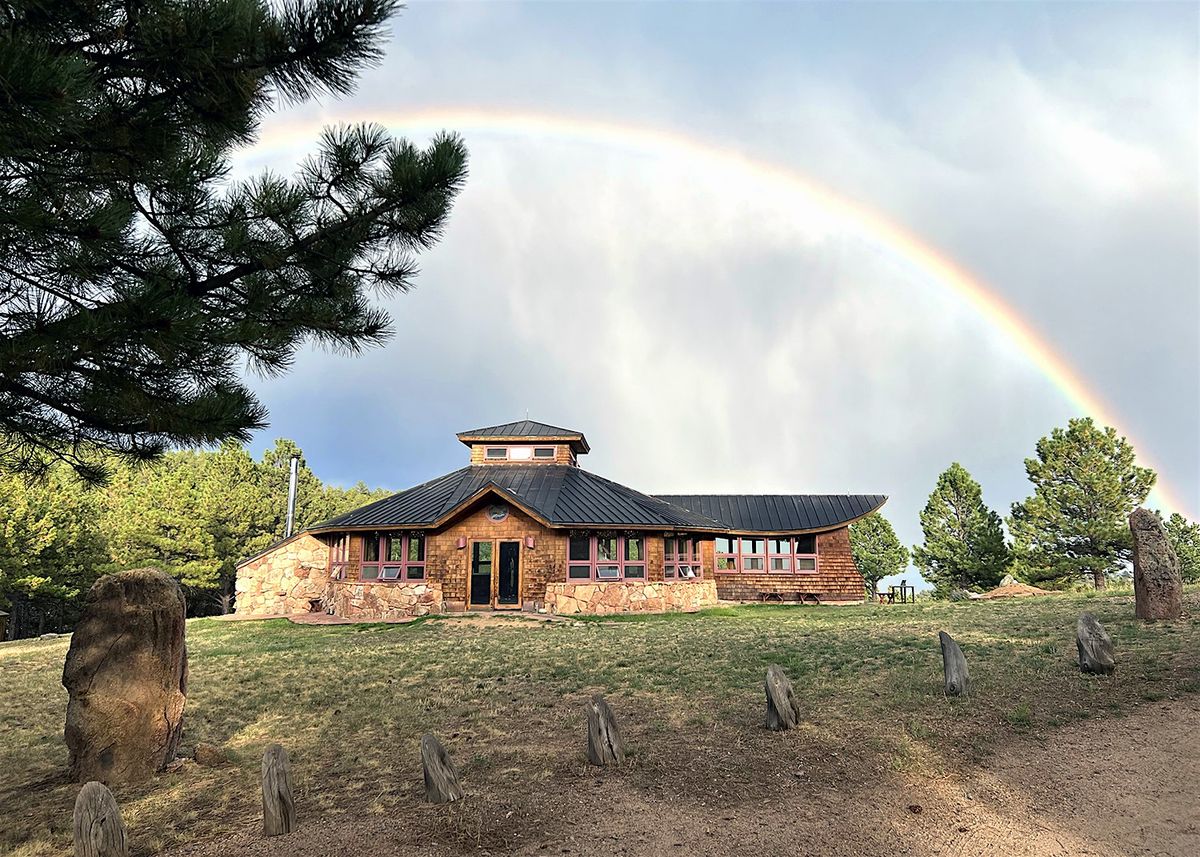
(768, 513)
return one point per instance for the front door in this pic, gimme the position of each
(481, 574)
(507, 589)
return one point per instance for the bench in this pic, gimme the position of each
(801, 597)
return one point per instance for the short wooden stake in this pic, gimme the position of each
(279, 809)
(605, 746)
(97, 825)
(782, 710)
(954, 666)
(441, 779)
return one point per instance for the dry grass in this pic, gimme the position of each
(351, 702)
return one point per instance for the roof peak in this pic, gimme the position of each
(525, 430)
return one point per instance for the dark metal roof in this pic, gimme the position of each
(561, 494)
(778, 513)
(525, 429)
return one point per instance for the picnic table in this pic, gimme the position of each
(901, 594)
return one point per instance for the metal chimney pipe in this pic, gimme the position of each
(291, 509)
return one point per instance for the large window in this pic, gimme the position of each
(605, 557)
(775, 555)
(392, 557)
(339, 556)
(681, 558)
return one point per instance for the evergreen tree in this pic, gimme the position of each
(877, 551)
(137, 279)
(1184, 536)
(1076, 522)
(964, 540)
(50, 550)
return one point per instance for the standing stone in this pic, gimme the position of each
(1157, 579)
(954, 665)
(96, 824)
(782, 710)
(1096, 652)
(279, 807)
(126, 676)
(604, 746)
(441, 779)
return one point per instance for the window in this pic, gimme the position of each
(339, 556)
(753, 554)
(520, 453)
(606, 558)
(777, 555)
(392, 558)
(496, 452)
(543, 452)
(681, 558)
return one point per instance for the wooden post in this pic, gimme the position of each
(605, 746)
(279, 810)
(1096, 652)
(954, 666)
(782, 710)
(97, 825)
(441, 779)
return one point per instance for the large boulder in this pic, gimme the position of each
(126, 676)
(1157, 579)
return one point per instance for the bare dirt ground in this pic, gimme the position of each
(1114, 787)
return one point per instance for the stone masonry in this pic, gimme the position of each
(597, 598)
(292, 577)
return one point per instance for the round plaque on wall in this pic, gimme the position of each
(498, 512)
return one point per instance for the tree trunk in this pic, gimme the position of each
(441, 777)
(1099, 579)
(97, 826)
(604, 746)
(954, 666)
(782, 710)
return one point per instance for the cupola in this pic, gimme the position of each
(524, 442)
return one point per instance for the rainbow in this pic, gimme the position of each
(869, 224)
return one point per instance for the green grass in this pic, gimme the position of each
(351, 702)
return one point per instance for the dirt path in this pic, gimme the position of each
(1112, 788)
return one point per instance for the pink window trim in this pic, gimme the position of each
(405, 565)
(690, 558)
(339, 557)
(594, 561)
(767, 556)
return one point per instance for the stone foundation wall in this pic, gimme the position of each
(371, 602)
(288, 578)
(605, 598)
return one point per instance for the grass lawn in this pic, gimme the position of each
(350, 704)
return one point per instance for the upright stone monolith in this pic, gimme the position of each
(1096, 652)
(954, 666)
(126, 677)
(1157, 579)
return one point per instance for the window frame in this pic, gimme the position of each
(737, 561)
(689, 558)
(620, 561)
(488, 450)
(405, 566)
(339, 557)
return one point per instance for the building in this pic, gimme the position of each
(524, 527)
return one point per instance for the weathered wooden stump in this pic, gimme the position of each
(1157, 577)
(98, 828)
(126, 676)
(782, 710)
(1096, 651)
(605, 746)
(279, 809)
(441, 779)
(954, 665)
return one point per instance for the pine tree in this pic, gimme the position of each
(1075, 524)
(964, 544)
(1184, 536)
(136, 279)
(877, 551)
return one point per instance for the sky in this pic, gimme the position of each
(646, 249)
